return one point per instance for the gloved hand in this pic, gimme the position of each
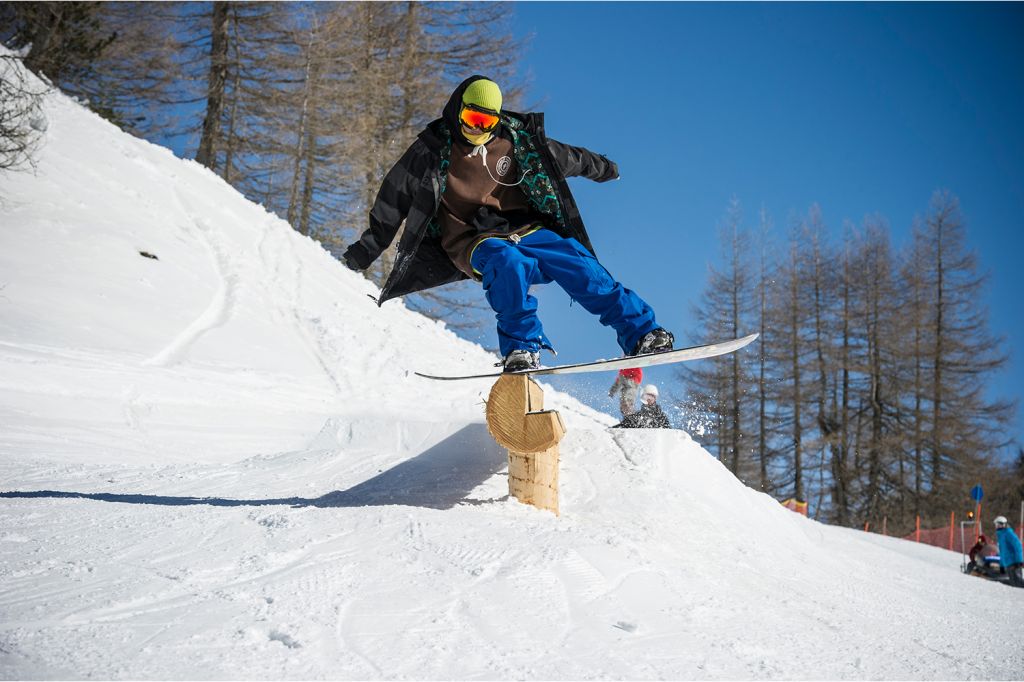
(356, 257)
(610, 173)
(350, 264)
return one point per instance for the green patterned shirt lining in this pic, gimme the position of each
(537, 186)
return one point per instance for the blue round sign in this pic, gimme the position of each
(977, 493)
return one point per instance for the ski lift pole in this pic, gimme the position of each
(977, 493)
(963, 558)
(963, 542)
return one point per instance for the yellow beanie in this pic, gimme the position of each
(484, 94)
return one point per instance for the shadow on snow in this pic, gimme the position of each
(438, 478)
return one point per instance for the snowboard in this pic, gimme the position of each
(649, 360)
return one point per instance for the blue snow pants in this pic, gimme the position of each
(509, 269)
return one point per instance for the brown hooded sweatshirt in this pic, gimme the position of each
(477, 201)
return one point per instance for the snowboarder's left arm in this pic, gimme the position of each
(577, 161)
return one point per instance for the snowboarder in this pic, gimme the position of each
(650, 415)
(1010, 554)
(627, 385)
(483, 194)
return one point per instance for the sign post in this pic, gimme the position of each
(976, 494)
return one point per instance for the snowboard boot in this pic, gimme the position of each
(657, 341)
(521, 359)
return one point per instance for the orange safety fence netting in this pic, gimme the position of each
(939, 537)
(796, 505)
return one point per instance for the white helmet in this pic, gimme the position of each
(1000, 521)
(651, 390)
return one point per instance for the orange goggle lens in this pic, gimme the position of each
(481, 120)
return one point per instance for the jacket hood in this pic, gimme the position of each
(450, 114)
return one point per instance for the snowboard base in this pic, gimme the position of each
(649, 360)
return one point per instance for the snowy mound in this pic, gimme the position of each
(217, 463)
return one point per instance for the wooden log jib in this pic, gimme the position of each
(517, 420)
(516, 416)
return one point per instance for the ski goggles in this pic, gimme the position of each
(481, 119)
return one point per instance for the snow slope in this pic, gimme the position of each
(217, 464)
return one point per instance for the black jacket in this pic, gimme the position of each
(412, 191)
(648, 417)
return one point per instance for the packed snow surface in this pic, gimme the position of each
(218, 464)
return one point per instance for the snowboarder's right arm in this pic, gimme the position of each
(394, 199)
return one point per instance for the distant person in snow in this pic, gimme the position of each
(976, 556)
(1010, 554)
(627, 385)
(483, 194)
(650, 414)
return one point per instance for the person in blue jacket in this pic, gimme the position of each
(1010, 554)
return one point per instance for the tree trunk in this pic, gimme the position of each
(794, 322)
(231, 138)
(762, 388)
(938, 357)
(734, 359)
(301, 137)
(840, 453)
(37, 58)
(210, 140)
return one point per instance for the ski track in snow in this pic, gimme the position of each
(221, 303)
(316, 337)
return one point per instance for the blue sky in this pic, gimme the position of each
(861, 108)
